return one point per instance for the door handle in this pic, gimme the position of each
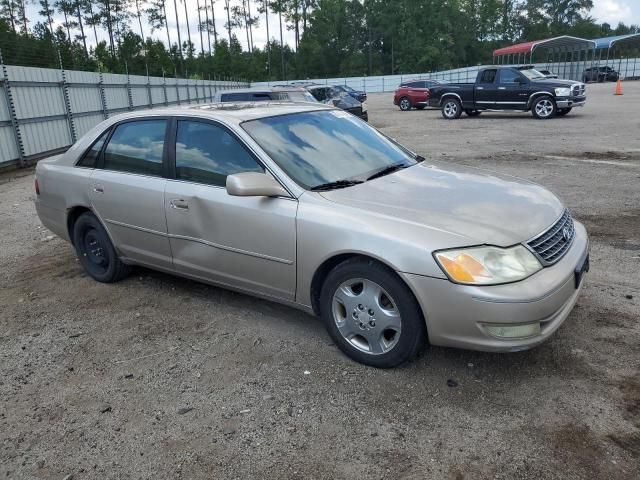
(179, 204)
(479, 88)
(502, 88)
(98, 188)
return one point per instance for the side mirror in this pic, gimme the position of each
(254, 184)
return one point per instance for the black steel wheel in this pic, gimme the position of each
(95, 250)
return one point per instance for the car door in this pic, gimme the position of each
(127, 191)
(512, 90)
(244, 242)
(417, 92)
(486, 89)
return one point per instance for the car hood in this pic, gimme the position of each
(554, 82)
(484, 207)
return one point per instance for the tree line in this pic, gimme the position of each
(330, 37)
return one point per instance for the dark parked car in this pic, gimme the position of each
(332, 96)
(600, 74)
(413, 94)
(509, 88)
(357, 94)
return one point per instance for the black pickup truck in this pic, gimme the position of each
(509, 88)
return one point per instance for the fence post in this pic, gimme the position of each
(188, 92)
(177, 87)
(129, 97)
(103, 98)
(67, 103)
(12, 113)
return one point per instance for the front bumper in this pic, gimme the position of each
(458, 315)
(570, 102)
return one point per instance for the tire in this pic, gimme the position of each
(358, 299)
(563, 111)
(451, 108)
(405, 104)
(95, 250)
(472, 113)
(419, 107)
(544, 107)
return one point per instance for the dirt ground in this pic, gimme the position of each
(159, 377)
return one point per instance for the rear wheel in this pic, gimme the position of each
(95, 250)
(451, 108)
(472, 113)
(543, 107)
(563, 111)
(371, 315)
(405, 104)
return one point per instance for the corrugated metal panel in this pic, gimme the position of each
(8, 150)
(34, 101)
(44, 136)
(84, 99)
(86, 122)
(4, 111)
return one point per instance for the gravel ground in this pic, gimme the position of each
(160, 377)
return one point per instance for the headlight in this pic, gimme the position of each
(488, 265)
(563, 92)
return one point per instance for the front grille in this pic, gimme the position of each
(551, 246)
(578, 90)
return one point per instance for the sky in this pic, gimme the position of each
(610, 11)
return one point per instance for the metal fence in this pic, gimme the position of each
(628, 68)
(44, 111)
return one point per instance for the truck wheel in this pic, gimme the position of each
(451, 109)
(563, 111)
(543, 107)
(472, 113)
(405, 104)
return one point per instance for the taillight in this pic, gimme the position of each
(37, 187)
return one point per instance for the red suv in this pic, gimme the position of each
(413, 94)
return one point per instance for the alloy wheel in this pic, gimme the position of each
(544, 108)
(450, 109)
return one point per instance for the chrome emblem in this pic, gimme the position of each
(566, 233)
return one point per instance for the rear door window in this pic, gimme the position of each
(488, 76)
(90, 158)
(136, 147)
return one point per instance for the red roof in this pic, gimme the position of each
(525, 47)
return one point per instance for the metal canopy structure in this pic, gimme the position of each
(523, 52)
(610, 42)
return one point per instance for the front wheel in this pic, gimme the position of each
(563, 111)
(95, 250)
(451, 109)
(370, 314)
(543, 107)
(405, 104)
(472, 113)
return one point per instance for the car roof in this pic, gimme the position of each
(230, 112)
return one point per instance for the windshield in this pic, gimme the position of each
(532, 73)
(315, 148)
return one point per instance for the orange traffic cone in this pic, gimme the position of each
(618, 87)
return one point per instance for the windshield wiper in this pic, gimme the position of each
(386, 171)
(336, 184)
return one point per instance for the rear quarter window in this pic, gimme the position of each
(90, 158)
